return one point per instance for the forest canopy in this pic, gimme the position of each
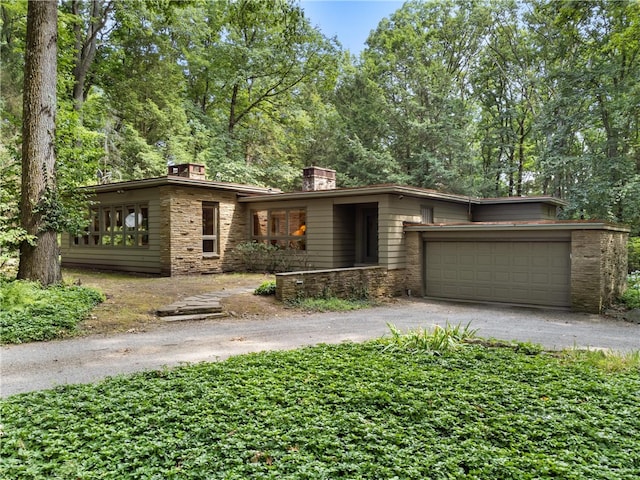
(487, 98)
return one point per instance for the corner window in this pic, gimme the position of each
(116, 226)
(285, 228)
(210, 229)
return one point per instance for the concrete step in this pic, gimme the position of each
(200, 316)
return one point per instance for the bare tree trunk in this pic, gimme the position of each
(39, 262)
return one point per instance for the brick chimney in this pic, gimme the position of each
(188, 170)
(317, 178)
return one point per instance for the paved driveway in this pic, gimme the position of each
(39, 366)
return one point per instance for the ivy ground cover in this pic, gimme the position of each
(336, 412)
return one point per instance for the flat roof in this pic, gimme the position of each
(400, 190)
(510, 225)
(182, 181)
(264, 194)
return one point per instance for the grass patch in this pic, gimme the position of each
(337, 411)
(29, 312)
(330, 304)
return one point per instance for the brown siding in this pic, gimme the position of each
(515, 212)
(139, 259)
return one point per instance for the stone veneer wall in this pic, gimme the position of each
(598, 268)
(376, 282)
(181, 231)
(414, 277)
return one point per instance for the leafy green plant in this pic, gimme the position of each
(330, 304)
(438, 340)
(266, 288)
(264, 257)
(633, 248)
(29, 312)
(631, 296)
(336, 412)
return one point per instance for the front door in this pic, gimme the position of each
(369, 246)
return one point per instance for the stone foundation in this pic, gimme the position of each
(356, 282)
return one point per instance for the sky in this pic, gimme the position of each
(350, 21)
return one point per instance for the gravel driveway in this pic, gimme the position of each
(38, 366)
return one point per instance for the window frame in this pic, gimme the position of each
(108, 228)
(273, 225)
(206, 237)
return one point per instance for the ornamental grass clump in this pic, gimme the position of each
(438, 340)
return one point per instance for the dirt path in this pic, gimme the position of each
(82, 360)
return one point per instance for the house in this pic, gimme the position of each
(389, 239)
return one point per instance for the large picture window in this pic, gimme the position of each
(116, 226)
(210, 229)
(285, 228)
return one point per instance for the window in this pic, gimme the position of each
(285, 228)
(210, 229)
(116, 226)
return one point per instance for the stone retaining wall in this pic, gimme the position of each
(374, 282)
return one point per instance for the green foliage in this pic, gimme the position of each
(29, 312)
(336, 412)
(266, 288)
(631, 296)
(330, 304)
(633, 247)
(438, 340)
(607, 361)
(264, 257)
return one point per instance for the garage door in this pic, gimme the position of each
(532, 273)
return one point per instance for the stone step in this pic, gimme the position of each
(201, 316)
(172, 310)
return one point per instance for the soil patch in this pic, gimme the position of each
(133, 299)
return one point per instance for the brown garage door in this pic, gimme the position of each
(532, 273)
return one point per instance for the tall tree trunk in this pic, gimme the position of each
(86, 44)
(40, 261)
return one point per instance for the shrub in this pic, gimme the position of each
(633, 247)
(29, 312)
(264, 257)
(631, 296)
(266, 288)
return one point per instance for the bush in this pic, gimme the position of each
(266, 288)
(631, 296)
(29, 312)
(264, 257)
(633, 247)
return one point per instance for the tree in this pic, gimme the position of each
(39, 259)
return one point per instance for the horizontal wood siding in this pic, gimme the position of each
(138, 259)
(395, 210)
(515, 212)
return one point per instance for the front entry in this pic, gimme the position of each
(368, 251)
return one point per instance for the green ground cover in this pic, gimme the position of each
(380, 410)
(29, 312)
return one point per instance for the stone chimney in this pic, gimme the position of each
(317, 178)
(188, 170)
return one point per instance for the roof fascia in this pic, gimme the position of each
(188, 182)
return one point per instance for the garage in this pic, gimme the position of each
(521, 271)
